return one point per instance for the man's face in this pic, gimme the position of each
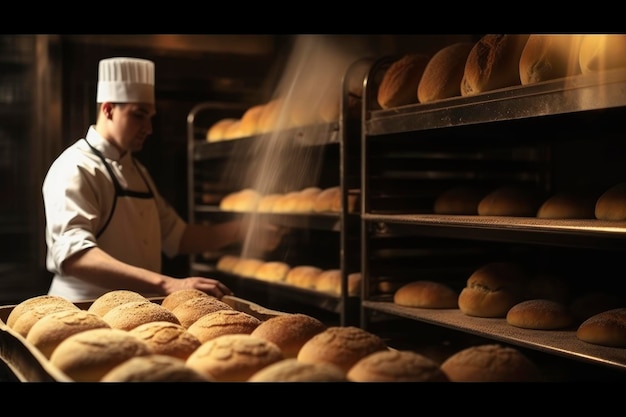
(132, 123)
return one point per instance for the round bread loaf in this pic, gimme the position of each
(568, 206)
(87, 356)
(234, 357)
(267, 202)
(444, 72)
(396, 366)
(227, 203)
(492, 290)
(167, 338)
(305, 199)
(191, 310)
(227, 263)
(250, 120)
(112, 299)
(426, 294)
(154, 368)
(28, 318)
(215, 133)
(589, 304)
(324, 200)
(459, 200)
(52, 329)
(606, 329)
(127, 316)
(540, 314)
(329, 281)
(246, 200)
(611, 205)
(222, 322)
(493, 63)
(303, 276)
(289, 331)
(233, 131)
(272, 271)
(399, 84)
(272, 116)
(342, 346)
(286, 203)
(602, 52)
(247, 267)
(490, 363)
(173, 300)
(547, 57)
(292, 370)
(509, 201)
(31, 302)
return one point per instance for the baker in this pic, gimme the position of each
(107, 226)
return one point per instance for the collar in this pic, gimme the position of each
(104, 146)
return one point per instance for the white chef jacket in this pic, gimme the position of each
(84, 210)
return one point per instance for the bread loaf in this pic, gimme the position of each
(247, 267)
(396, 366)
(289, 331)
(568, 206)
(30, 317)
(607, 328)
(400, 81)
(426, 294)
(267, 202)
(443, 73)
(303, 276)
(611, 205)
(191, 310)
(154, 368)
(510, 201)
(215, 133)
(171, 301)
(221, 322)
(459, 200)
(227, 263)
(493, 63)
(32, 302)
(272, 271)
(167, 338)
(112, 299)
(540, 314)
(250, 120)
(292, 370)
(602, 52)
(547, 57)
(129, 315)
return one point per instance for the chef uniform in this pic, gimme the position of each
(95, 197)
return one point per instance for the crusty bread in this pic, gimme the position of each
(568, 206)
(540, 314)
(28, 318)
(191, 310)
(602, 52)
(491, 363)
(303, 276)
(342, 346)
(292, 370)
(493, 289)
(171, 301)
(167, 338)
(547, 57)
(399, 84)
(459, 200)
(215, 133)
(87, 356)
(607, 328)
(31, 302)
(234, 357)
(221, 322)
(129, 315)
(611, 205)
(112, 299)
(396, 366)
(272, 271)
(154, 368)
(289, 331)
(52, 329)
(493, 63)
(510, 201)
(444, 72)
(426, 294)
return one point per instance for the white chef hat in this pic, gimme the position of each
(125, 80)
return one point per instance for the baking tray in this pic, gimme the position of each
(28, 364)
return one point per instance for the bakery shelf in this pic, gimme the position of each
(559, 342)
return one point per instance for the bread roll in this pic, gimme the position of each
(234, 357)
(325, 199)
(227, 203)
(444, 72)
(540, 314)
(222, 322)
(171, 301)
(267, 202)
(52, 329)
(305, 200)
(87, 356)
(167, 338)
(28, 318)
(602, 52)
(247, 267)
(396, 366)
(227, 263)
(459, 200)
(611, 205)
(246, 200)
(217, 129)
(250, 120)
(426, 294)
(606, 329)
(289, 331)
(292, 370)
(329, 281)
(342, 346)
(286, 203)
(191, 310)
(233, 131)
(509, 201)
(547, 57)
(399, 84)
(271, 116)
(31, 302)
(303, 276)
(493, 63)
(568, 206)
(154, 368)
(112, 299)
(272, 271)
(127, 316)
(490, 363)
(492, 290)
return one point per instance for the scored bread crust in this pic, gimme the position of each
(443, 73)
(31, 302)
(547, 57)
(191, 310)
(127, 316)
(289, 331)
(222, 322)
(167, 338)
(172, 300)
(154, 368)
(112, 299)
(400, 81)
(292, 370)
(396, 366)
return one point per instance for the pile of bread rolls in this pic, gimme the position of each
(497, 61)
(309, 277)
